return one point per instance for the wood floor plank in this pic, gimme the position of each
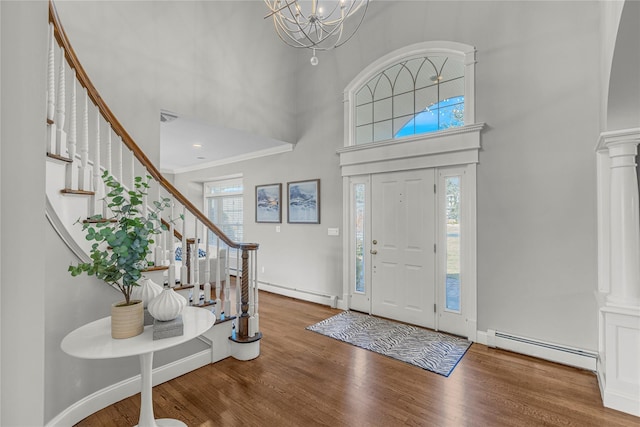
(305, 379)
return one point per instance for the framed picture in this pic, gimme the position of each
(268, 204)
(303, 202)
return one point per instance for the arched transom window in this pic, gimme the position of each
(424, 88)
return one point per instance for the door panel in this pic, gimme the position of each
(403, 261)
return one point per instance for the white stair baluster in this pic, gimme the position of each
(120, 161)
(71, 172)
(196, 266)
(227, 283)
(183, 268)
(158, 254)
(207, 267)
(83, 178)
(51, 93)
(61, 135)
(167, 239)
(172, 255)
(109, 161)
(133, 171)
(97, 180)
(145, 198)
(218, 276)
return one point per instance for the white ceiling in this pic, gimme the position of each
(188, 144)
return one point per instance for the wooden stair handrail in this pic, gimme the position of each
(117, 127)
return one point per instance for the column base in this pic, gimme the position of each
(619, 368)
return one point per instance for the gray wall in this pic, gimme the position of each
(22, 281)
(624, 90)
(537, 81)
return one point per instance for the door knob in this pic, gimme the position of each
(373, 252)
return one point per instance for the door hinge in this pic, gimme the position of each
(434, 189)
(434, 308)
(434, 248)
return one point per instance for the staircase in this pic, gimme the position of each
(84, 139)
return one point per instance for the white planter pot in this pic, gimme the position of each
(127, 320)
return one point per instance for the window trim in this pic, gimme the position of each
(462, 51)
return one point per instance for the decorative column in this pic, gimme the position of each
(619, 238)
(625, 222)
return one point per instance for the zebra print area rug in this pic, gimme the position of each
(433, 351)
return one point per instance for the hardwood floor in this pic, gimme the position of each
(305, 379)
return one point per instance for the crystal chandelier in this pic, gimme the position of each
(316, 24)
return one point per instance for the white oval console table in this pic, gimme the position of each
(93, 341)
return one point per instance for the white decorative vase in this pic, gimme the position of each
(167, 306)
(146, 291)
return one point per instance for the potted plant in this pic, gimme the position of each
(121, 246)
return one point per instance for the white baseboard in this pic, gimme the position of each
(301, 294)
(579, 358)
(116, 392)
(627, 403)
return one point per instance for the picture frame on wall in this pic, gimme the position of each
(303, 202)
(268, 203)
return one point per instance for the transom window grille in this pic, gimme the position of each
(414, 96)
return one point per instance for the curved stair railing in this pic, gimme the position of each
(87, 156)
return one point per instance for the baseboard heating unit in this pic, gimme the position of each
(303, 294)
(544, 350)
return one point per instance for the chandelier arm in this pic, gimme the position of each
(366, 6)
(304, 30)
(289, 39)
(275, 11)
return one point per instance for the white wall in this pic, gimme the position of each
(23, 110)
(537, 81)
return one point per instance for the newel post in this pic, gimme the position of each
(243, 321)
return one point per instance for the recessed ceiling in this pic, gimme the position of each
(188, 144)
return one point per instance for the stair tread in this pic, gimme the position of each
(77, 192)
(97, 221)
(179, 287)
(59, 157)
(156, 268)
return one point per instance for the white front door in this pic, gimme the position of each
(402, 245)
